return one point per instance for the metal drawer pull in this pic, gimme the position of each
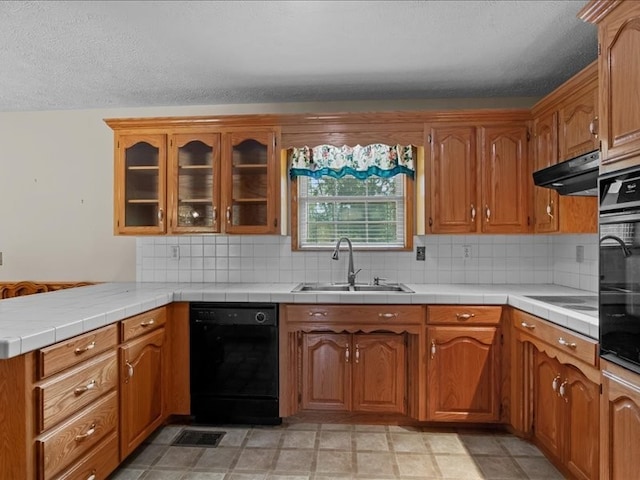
(129, 371)
(87, 434)
(433, 348)
(550, 209)
(554, 384)
(564, 343)
(593, 127)
(346, 354)
(161, 215)
(228, 214)
(78, 351)
(465, 316)
(487, 211)
(92, 475)
(529, 326)
(89, 386)
(388, 315)
(317, 314)
(473, 213)
(357, 353)
(148, 323)
(563, 390)
(215, 214)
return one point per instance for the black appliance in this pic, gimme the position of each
(577, 176)
(619, 292)
(234, 363)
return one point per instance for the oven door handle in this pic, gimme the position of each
(610, 218)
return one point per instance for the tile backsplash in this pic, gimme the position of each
(449, 259)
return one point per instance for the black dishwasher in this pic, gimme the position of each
(234, 363)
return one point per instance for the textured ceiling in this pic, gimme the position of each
(76, 54)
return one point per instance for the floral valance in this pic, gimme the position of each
(360, 161)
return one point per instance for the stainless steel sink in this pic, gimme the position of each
(343, 287)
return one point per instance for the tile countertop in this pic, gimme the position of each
(34, 321)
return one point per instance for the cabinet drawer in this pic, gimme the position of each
(145, 322)
(66, 354)
(97, 464)
(356, 313)
(66, 443)
(63, 395)
(463, 314)
(580, 347)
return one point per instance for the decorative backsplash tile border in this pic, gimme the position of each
(257, 258)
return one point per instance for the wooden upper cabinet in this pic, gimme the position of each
(545, 200)
(140, 184)
(250, 182)
(619, 69)
(578, 123)
(194, 183)
(504, 179)
(452, 180)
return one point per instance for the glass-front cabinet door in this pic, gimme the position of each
(194, 182)
(140, 194)
(250, 182)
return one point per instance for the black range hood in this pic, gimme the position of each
(578, 176)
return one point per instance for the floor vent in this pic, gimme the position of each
(198, 438)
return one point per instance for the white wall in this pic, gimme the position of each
(56, 184)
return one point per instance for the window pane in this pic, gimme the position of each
(370, 212)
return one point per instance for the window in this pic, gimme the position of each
(371, 212)
(364, 193)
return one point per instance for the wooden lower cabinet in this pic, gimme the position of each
(354, 372)
(141, 389)
(566, 415)
(463, 373)
(620, 423)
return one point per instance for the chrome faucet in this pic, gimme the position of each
(351, 273)
(625, 250)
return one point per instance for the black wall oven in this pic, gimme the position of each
(234, 363)
(619, 294)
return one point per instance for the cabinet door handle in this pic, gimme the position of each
(388, 315)
(465, 316)
(346, 353)
(487, 212)
(433, 348)
(529, 326)
(473, 213)
(148, 323)
(317, 314)
(593, 127)
(160, 215)
(79, 351)
(92, 475)
(87, 434)
(563, 390)
(550, 209)
(129, 371)
(89, 386)
(228, 214)
(554, 384)
(357, 353)
(564, 343)
(215, 214)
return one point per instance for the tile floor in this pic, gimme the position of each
(310, 451)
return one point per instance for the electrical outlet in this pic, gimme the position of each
(175, 252)
(466, 252)
(421, 253)
(579, 253)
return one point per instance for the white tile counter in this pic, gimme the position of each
(34, 321)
